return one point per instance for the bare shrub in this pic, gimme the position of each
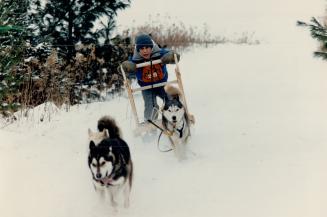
(49, 78)
(175, 34)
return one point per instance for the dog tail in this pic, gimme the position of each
(172, 91)
(107, 122)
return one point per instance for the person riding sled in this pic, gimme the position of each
(146, 50)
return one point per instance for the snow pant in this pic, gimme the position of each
(150, 102)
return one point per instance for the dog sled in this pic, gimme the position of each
(141, 126)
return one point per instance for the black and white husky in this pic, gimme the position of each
(110, 161)
(175, 120)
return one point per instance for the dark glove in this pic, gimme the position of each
(169, 58)
(128, 66)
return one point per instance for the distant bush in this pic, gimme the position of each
(175, 34)
(45, 77)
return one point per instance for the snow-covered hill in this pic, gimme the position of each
(258, 147)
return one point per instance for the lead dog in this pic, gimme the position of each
(110, 161)
(175, 120)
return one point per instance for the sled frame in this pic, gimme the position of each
(144, 126)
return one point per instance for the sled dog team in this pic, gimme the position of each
(109, 156)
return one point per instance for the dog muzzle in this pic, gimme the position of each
(105, 181)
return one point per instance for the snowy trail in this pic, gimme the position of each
(259, 145)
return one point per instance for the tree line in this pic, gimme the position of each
(59, 50)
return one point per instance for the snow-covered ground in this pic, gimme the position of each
(258, 148)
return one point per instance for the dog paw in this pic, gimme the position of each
(191, 118)
(126, 204)
(114, 204)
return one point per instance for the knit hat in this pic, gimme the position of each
(143, 40)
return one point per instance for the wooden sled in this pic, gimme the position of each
(145, 126)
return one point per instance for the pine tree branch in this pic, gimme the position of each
(320, 36)
(301, 23)
(314, 20)
(321, 54)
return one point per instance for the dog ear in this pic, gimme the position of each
(90, 132)
(111, 155)
(165, 99)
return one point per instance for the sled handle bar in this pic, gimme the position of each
(153, 86)
(140, 65)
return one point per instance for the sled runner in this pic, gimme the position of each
(146, 126)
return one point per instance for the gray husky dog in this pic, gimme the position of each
(175, 119)
(110, 161)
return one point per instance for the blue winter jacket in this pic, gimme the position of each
(151, 74)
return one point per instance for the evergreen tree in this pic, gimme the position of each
(13, 20)
(319, 32)
(65, 23)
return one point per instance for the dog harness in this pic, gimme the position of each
(180, 131)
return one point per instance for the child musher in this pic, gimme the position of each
(147, 50)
